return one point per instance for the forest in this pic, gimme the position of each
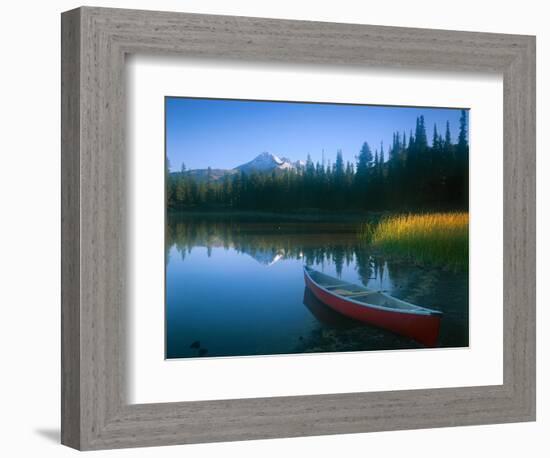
(413, 174)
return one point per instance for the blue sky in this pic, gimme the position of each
(226, 133)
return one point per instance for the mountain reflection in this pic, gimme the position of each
(315, 243)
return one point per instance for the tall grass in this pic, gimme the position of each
(437, 238)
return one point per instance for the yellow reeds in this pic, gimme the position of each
(440, 238)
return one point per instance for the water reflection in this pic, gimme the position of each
(237, 288)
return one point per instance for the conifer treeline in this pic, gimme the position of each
(414, 175)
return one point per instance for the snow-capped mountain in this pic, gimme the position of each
(267, 257)
(267, 162)
(263, 163)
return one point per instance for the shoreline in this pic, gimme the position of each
(302, 216)
(305, 215)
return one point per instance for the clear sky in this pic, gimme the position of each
(227, 133)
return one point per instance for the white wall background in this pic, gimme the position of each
(29, 230)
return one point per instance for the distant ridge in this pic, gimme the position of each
(263, 163)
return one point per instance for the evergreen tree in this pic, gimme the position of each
(435, 139)
(364, 162)
(411, 140)
(310, 168)
(462, 145)
(421, 141)
(459, 185)
(181, 192)
(169, 184)
(447, 144)
(349, 173)
(227, 190)
(339, 167)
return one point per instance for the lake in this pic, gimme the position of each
(235, 287)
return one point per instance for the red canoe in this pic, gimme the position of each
(375, 307)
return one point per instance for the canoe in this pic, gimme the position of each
(375, 307)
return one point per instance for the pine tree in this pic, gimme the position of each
(227, 190)
(169, 183)
(462, 145)
(447, 144)
(411, 140)
(310, 168)
(461, 162)
(362, 175)
(181, 193)
(364, 161)
(339, 167)
(349, 173)
(435, 139)
(421, 141)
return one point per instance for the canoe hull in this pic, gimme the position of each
(422, 328)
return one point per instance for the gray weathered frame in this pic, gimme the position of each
(95, 414)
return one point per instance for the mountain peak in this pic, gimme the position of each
(265, 162)
(269, 157)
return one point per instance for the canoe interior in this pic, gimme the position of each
(362, 294)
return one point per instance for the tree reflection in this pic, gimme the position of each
(316, 243)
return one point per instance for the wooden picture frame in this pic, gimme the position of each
(95, 412)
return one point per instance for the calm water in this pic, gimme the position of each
(236, 288)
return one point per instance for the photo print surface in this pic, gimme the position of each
(298, 227)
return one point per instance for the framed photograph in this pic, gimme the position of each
(281, 228)
(352, 232)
